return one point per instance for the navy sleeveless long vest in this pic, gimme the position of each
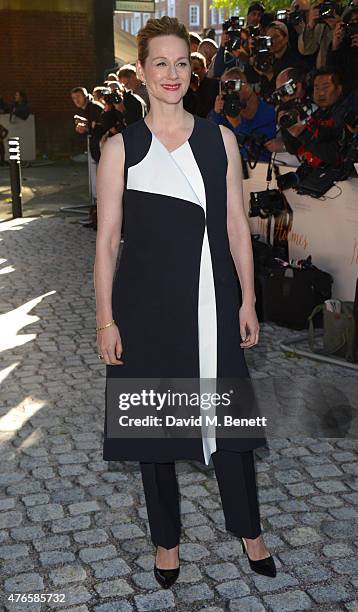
(175, 293)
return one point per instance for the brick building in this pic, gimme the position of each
(189, 12)
(48, 47)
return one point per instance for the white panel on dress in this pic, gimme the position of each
(207, 320)
(153, 174)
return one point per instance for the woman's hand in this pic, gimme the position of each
(109, 344)
(249, 326)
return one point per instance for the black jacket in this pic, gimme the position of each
(93, 112)
(321, 142)
(205, 96)
(345, 59)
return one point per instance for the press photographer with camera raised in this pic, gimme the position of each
(233, 50)
(112, 118)
(296, 20)
(207, 90)
(292, 103)
(91, 111)
(318, 32)
(319, 140)
(248, 116)
(134, 105)
(276, 55)
(343, 54)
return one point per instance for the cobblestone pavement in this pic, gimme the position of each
(71, 523)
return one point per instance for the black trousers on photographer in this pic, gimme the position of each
(236, 477)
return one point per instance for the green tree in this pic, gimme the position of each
(231, 5)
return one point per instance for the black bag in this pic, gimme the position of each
(264, 258)
(288, 295)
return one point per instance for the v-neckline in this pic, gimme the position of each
(163, 145)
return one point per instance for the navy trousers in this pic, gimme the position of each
(236, 477)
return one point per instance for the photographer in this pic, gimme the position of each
(127, 75)
(350, 148)
(318, 32)
(254, 14)
(291, 101)
(134, 107)
(318, 142)
(244, 113)
(208, 88)
(208, 47)
(234, 52)
(270, 54)
(296, 20)
(89, 122)
(112, 118)
(91, 111)
(344, 52)
(195, 40)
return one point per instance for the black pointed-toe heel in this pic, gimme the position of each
(265, 567)
(166, 577)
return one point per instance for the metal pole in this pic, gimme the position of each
(15, 176)
(316, 356)
(89, 170)
(205, 15)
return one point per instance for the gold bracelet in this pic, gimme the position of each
(107, 325)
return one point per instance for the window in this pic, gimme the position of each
(194, 19)
(221, 15)
(214, 13)
(171, 8)
(136, 19)
(146, 16)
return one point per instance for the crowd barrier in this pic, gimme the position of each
(25, 130)
(326, 229)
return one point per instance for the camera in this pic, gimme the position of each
(328, 10)
(350, 29)
(296, 17)
(80, 121)
(254, 143)
(261, 50)
(261, 43)
(194, 79)
(266, 203)
(282, 15)
(230, 92)
(295, 111)
(254, 31)
(233, 27)
(314, 182)
(111, 97)
(233, 23)
(287, 89)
